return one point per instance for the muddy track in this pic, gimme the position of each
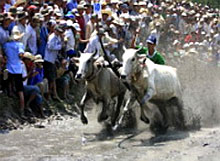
(69, 140)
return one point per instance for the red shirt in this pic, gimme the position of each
(2, 9)
(82, 26)
(191, 38)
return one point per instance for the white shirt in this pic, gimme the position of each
(216, 39)
(22, 29)
(87, 17)
(93, 45)
(207, 28)
(54, 45)
(31, 39)
(182, 26)
(69, 36)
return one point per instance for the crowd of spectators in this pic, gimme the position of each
(38, 39)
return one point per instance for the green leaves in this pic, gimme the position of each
(212, 3)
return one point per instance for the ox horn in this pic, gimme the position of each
(124, 48)
(75, 61)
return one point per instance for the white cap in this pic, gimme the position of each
(186, 45)
(184, 14)
(176, 42)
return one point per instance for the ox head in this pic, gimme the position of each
(85, 66)
(131, 61)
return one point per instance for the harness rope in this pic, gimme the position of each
(93, 75)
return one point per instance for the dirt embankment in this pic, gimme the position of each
(54, 110)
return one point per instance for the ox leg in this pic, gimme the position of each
(162, 107)
(178, 120)
(118, 107)
(143, 117)
(157, 125)
(103, 116)
(127, 106)
(84, 99)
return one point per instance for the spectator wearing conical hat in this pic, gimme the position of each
(136, 9)
(13, 13)
(20, 3)
(37, 79)
(32, 93)
(113, 5)
(69, 39)
(183, 24)
(106, 13)
(104, 4)
(177, 48)
(14, 50)
(21, 23)
(54, 45)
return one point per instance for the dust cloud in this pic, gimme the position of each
(201, 90)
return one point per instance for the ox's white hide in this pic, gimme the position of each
(159, 82)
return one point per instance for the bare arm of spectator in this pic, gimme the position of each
(110, 40)
(83, 41)
(133, 42)
(88, 31)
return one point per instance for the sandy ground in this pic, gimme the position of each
(70, 140)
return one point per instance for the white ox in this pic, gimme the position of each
(155, 84)
(101, 84)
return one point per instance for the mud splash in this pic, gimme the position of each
(201, 91)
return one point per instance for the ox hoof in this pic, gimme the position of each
(102, 118)
(158, 128)
(84, 120)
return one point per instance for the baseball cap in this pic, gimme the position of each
(152, 39)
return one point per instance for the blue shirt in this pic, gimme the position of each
(37, 78)
(12, 50)
(71, 4)
(4, 35)
(43, 41)
(11, 26)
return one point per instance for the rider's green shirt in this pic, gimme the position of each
(157, 58)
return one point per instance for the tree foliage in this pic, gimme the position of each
(212, 3)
